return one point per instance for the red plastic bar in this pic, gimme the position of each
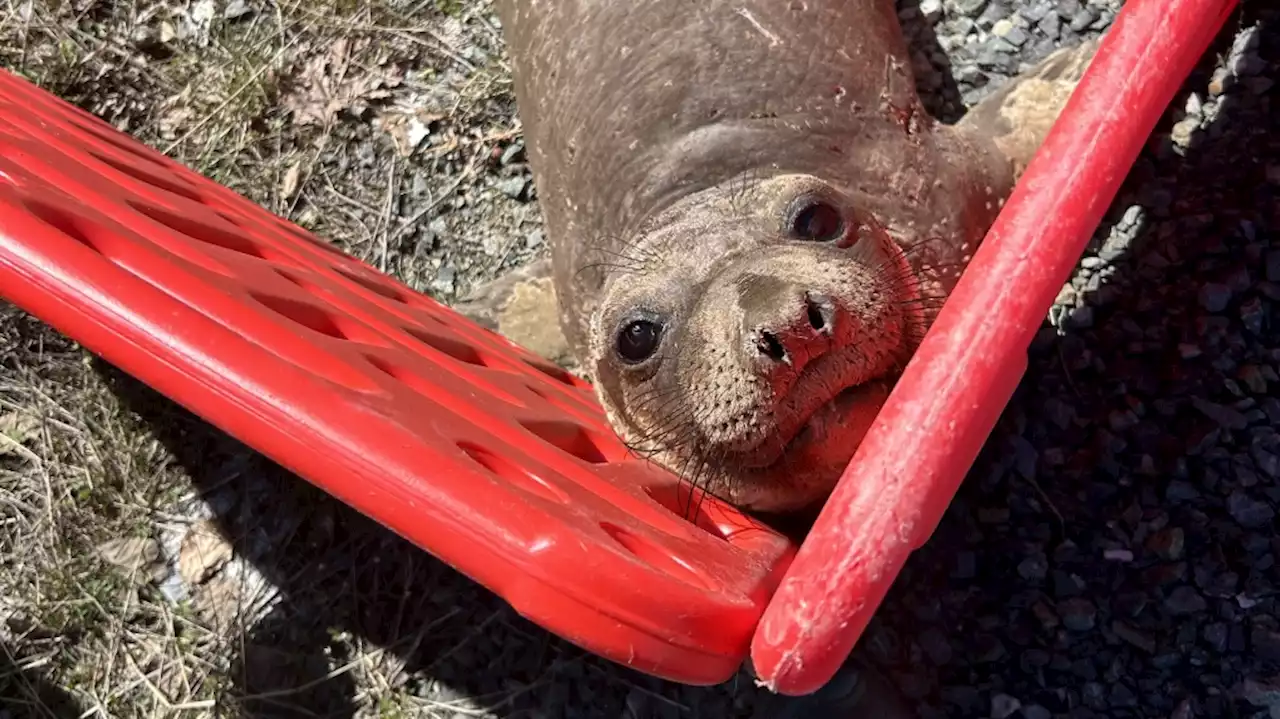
(933, 425)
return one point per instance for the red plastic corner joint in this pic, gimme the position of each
(942, 410)
(483, 454)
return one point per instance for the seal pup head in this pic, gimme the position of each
(753, 335)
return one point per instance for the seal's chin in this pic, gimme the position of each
(810, 464)
(835, 429)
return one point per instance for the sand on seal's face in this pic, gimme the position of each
(753, 351)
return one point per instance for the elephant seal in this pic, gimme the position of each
(752, 218)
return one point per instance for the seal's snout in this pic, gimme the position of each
(785, 326)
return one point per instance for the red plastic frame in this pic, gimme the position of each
(472, 448)
(942, 410)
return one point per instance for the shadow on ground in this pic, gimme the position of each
(966, 620)
(340, 575)
(1099, 560)
(25, 693)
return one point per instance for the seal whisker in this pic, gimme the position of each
(680, 422)
(610, 266)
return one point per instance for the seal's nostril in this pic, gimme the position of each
(816, 320)
(821, 313)
(769, 346)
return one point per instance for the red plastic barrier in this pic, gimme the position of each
(472, 448)
(937, 418)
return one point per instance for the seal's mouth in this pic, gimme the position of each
(836, 427)
(833, 402)
(824, 408)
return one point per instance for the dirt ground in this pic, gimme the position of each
(152, 566)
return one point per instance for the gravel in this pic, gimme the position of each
(1117, 534)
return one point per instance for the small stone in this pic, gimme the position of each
(1265, 643)
(1167, 543)
(988, 649)
(1002, 27)
(1122, 696)
(1216, 636)
(1253, 378)
(1050, 26)
(1185, 600)
(514, 187)
(1252, 315)
(1078, 615)
(935, 644)
(1134, 636)
(511, 153)
(1046, 616)
(1262, 693)
(965, 698)
(1082, 20)
(969, 7)
(1181, 491)
(1066, 585)
(1017, 37)
(1214, 297)
(1165, 574)
(1035, 711)
(1224, 416)
(445, 280)
(1267, 461)
(931, 9)
(1094, 695)
(1004, 706)
(1247, 511)
(1082, 317)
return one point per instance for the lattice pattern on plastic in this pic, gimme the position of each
(480, 452)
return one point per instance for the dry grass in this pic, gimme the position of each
(115, 600)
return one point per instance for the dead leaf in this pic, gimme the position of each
(134, 555)
(292, 178)
(407, 127)
(204, 551)
(331, 82)
(17, 429)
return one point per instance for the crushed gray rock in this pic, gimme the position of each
(1134, 574)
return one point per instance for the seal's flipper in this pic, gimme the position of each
(1017, 117)
(521, 306)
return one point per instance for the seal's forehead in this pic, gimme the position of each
(707, 237)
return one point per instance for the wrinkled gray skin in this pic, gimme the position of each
(675, 143)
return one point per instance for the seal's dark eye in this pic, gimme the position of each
(638, 340)
(817, 221)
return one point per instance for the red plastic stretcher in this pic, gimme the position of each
(483, 454)
(502, 465)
